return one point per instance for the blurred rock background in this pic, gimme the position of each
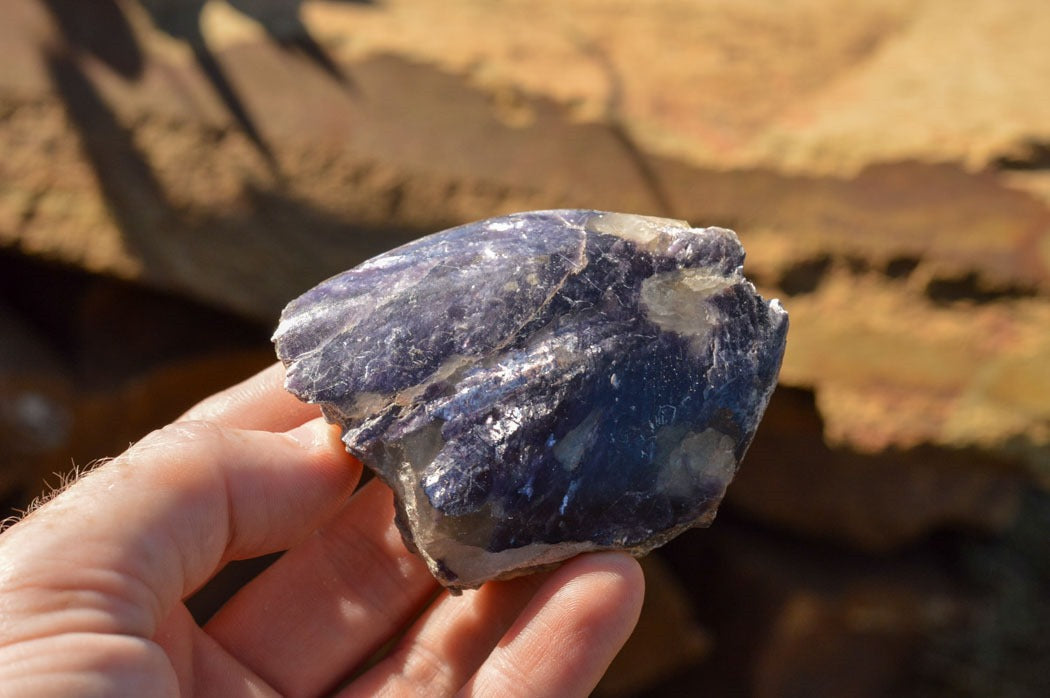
(173, 171)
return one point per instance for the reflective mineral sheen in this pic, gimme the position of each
(542, 384)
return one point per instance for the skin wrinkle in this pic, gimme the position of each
(193, 433)
(344, 552)
(181, 646)
(487, 612)
(122, 653)
(212, 666)
(506, 672)
(73, 613)
(422, 666)
(572, 600)
(344, 571)
(80, 578)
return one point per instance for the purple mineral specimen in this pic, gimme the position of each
(542, 384)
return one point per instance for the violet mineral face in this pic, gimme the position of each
(542, 384)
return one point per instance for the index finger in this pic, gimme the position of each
(260, 402)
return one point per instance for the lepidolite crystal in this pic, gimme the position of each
(542, 384)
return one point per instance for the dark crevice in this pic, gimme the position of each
(857, 265)
(901, 267)
(1033, 155)
(971, 288)
(84, 316)
(210, 598)
(805, 276)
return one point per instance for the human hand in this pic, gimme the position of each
(92, 582)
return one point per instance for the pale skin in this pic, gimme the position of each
(92, 583)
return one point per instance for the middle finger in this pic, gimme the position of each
(444, 648)
(330, 603)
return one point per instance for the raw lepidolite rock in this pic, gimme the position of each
(542, 384)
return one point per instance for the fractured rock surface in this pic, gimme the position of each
(542, 384)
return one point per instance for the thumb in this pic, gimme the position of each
(117, 550)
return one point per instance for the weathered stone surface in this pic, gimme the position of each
(542, 384)
(877, 501)
(824, 86)
(242, 197)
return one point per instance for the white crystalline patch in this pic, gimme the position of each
(381, 262)
(647, 232)
(707, 456)
(570, 449)
(503, 428)
(678, 301)
(503, 225)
